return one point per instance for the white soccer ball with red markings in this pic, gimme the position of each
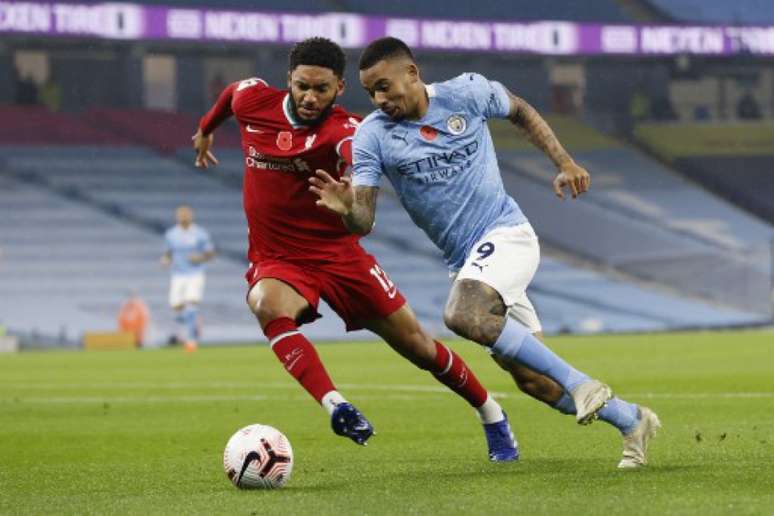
(258, 457)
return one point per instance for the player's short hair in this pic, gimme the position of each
(384, 48)
(318, 52)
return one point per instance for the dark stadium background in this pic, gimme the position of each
(677, 133)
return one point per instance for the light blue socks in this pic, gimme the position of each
(517, 344)
(189, 318)
(619, 413)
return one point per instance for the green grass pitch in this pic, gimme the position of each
(143, 433)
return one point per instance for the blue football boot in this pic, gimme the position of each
(502, 444)
(346, 420)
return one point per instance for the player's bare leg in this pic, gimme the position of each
(404, 334)
(476, 311)
(533, 384)
(185, 326)
(190, 316)
(278, 306)
(178, 336)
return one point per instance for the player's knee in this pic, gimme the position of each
(265, 311)
(460, 322)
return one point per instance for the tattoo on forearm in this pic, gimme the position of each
(361, 219)
(538, 131)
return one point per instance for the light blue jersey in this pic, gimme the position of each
(443, 167)
(182, 243)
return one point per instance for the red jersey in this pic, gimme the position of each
(280, 155)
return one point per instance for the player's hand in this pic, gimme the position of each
(202, 144)
(335, 195)
(573, 176)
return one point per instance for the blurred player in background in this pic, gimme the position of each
(187, 247)
(433, 144)
(300, 252)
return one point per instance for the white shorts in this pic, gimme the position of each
(185, 288)
(506, 259)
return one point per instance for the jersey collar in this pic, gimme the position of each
(430, 89)
(289, 112)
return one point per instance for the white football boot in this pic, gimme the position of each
(589, 399)
(635, 445)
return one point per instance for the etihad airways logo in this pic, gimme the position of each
(439, 165)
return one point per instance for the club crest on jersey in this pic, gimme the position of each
(456, 124)
(285, 140)
(428, 133)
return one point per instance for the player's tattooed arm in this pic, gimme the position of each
(361, 216)
(542, 136)
(524, 116)
(356, 205)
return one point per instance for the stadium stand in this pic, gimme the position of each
(643, 219)
(83, 260)
(159, 130)
(732, 160)
(744, 180)
(102, 196)
(643, 227)
(35, 125)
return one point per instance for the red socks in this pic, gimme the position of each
(454, 373)
(298, 356)
(300, 359)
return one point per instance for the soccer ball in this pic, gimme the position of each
(258, 456)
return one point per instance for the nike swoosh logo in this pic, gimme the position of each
(391, 293)
(253, 455)
(265, 468)
(293, 363)
(251, 130)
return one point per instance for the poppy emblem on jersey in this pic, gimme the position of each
(428, 133)
(285, 140)
(456, 124)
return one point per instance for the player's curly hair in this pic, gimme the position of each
(318, 52)
(383, 48)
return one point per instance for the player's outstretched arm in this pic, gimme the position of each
(357, 206)
(542, 136)
(218, 113)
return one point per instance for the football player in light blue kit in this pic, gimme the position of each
(433, 144)
(187, 247)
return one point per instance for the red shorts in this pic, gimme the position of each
(358, 289)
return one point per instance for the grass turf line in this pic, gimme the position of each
(129, 432)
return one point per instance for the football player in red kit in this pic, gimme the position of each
(300, 252)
